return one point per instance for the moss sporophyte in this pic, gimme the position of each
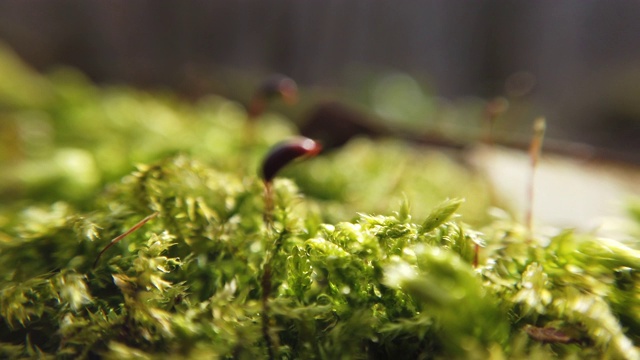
(276, 86)
(194, 271)
(277, 158)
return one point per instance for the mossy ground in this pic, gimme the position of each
(370, 260)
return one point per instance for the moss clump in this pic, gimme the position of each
(368, 258)
(188, 283)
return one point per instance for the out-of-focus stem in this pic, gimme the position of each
(535, 150)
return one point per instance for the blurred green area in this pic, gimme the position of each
(65, 138)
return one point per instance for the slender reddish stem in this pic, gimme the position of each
(476, 254)
(125, 234)
(268, 204)
(534, 154)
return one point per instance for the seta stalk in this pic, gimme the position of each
(535, 149)
(123, 235)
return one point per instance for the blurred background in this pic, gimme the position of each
(576, 62)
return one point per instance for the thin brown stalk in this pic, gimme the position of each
(123, 235)
(535, 150)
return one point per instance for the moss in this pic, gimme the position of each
(368, 258)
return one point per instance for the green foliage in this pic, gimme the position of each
(350, 278)
(368, 176)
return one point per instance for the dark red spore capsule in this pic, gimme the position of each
(285, 152)
(278, 86)
(275, 87)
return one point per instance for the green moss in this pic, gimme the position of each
(368, 258)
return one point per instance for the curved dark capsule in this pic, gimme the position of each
(276, 86)
(285, 152)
